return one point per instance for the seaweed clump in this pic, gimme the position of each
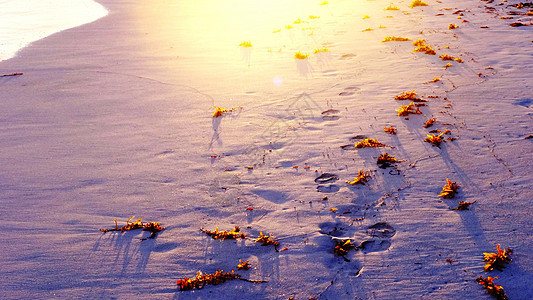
(386, 160)
(361, 178)
(416, 3)
(449, 190)
(390, 130)
(225, 235)
(266, 240)
(497, 260)
(395, 39)
(201, 280)
(369, 143)
(342, 247)
(153, 227)
(411, 108)
(491, 288)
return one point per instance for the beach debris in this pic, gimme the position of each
(342, 247)
(518, 24)
(220, 111)
(416, 3)
(459, 60)
(370, 143)
(435, 140)
(449, 190)
(333, 209)
(390, 130)
(446, 57)
(301, 55)
(326, 177)
(12, 74)
(324, 3)
(453, 26)
(421, 46)
(368, 29)
(152, 227)
(366, 17)
(266, 240)
(201, 280)
(435, 79)
(497, 260)
(395, 39)
(299, 21)
(463, 205)
(319, 50)
(386, 160)
(405, 110)
(409, 95)
(361, 178)
(225, 235)
(246, 44)
(529, 137)
(491, 288)
(448, 65)
(392, 7)
(244, 265)
(314, 17)
(276, 30)
(430, 122)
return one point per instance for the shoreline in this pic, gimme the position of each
(22, 27)
(105, 124)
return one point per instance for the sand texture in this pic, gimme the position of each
(114, 119)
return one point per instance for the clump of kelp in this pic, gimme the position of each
(153, 227)
(201, 280)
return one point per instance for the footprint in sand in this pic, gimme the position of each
(381, 230)
(349, 91)
(381, 233)
(326, 178)
(330, 115)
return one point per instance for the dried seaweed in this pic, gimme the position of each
(497, 260)
(405, 110)
(409, 95)
(246, 44)
(452, 26)
(342, 247)
(266, 240)
(449, 190)
(201, 280)
(395, 39)
(390, 130)
(448, 65)
(370, 143)
(220, 111)
(421, 46)
(435, 140)
(464, 205)
(447, 57)
(491, 288)
(416, 3)
(361, 178)
(391, 7)
(152, 227)
(386, 160)
(225, 235)
(301, 55)
(430, 122)
(323, 49)
(244, 265)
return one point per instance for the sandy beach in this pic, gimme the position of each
(114, 119)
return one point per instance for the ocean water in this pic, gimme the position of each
(26, 21)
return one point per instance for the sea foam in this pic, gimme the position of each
(26, 21)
